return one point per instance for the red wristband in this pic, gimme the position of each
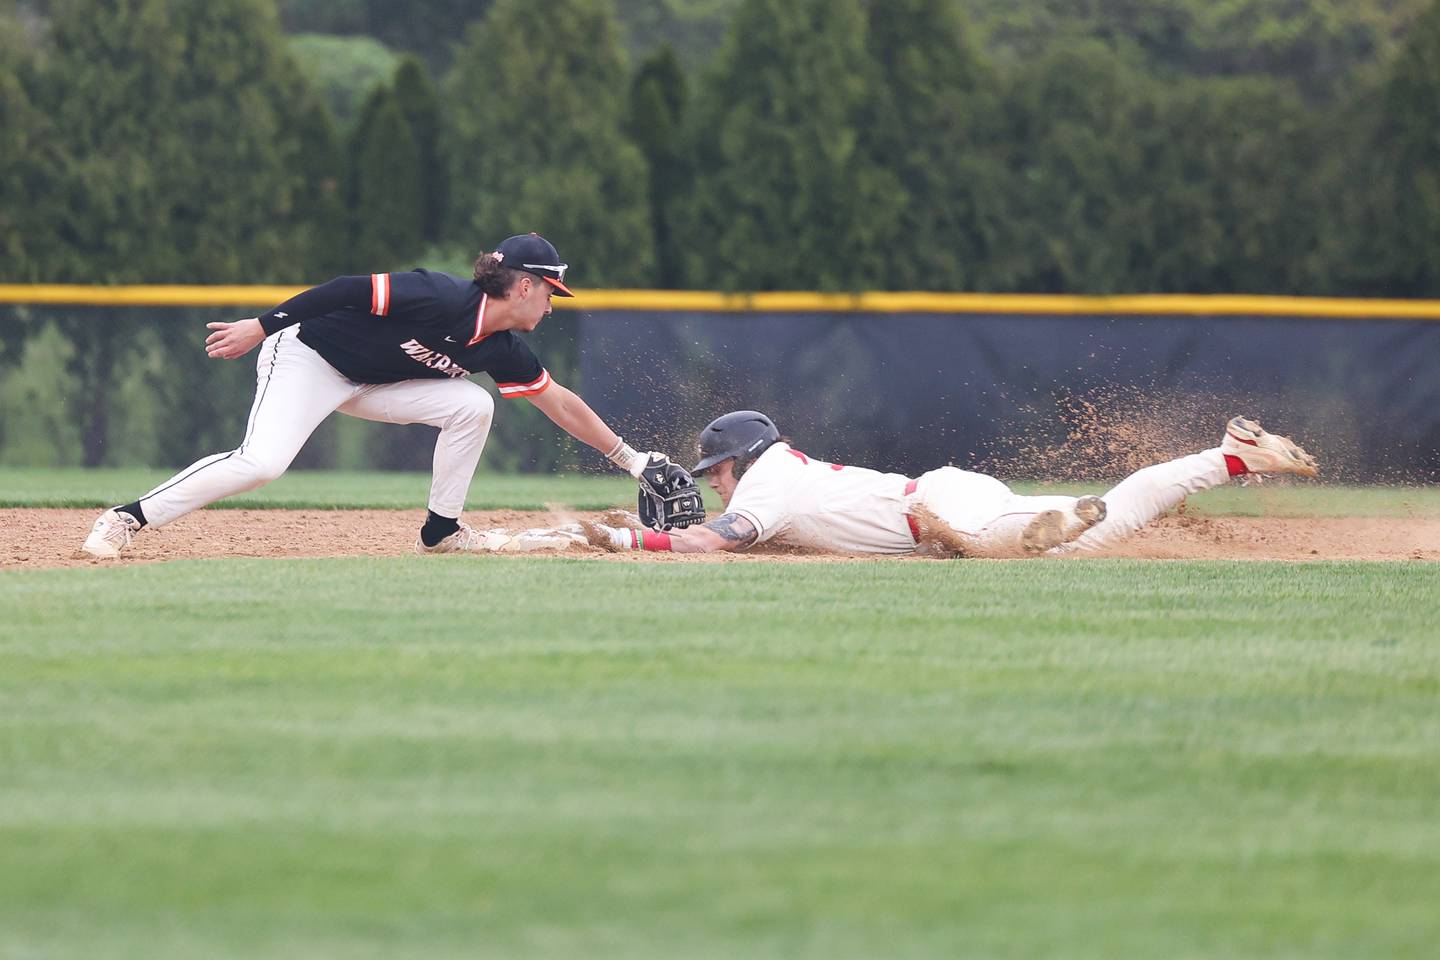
(649, 540)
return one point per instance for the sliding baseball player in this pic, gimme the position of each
(775, 493)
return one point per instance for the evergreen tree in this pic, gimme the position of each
(1319, 46)
(108, 93)
(786, 197)
(537, 142)
(1228, 203)
(173, 160)
(932, 123)
(324, 173)
(385, 198)
(1075, 174)
(176, 157)
(420, 105)
(229, 159)
(22, 177)
(20, 126)
(657, 108)
(1400, 231)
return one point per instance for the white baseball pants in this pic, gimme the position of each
(993, 516)
(295, 390)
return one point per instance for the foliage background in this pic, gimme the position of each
(1255, 146)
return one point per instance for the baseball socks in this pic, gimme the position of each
(437, 528)
(134, 510)
(623, 538)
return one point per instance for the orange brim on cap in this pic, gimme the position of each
(560, 289)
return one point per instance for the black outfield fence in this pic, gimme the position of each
(1058, 387)
(1030, 395)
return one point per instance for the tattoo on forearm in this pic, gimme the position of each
(733, 527)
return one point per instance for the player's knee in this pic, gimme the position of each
(260, 470)
(477, 409)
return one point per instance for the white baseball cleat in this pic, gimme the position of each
(1263, 452)
(469, 540)
(465, 540)
(1050, 528)
(1087, 512)
(113, 531)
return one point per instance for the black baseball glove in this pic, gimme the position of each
(668, 495)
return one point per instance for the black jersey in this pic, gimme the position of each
(417, 325)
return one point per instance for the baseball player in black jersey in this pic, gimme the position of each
(397, 348)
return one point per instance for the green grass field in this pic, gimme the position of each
(510, 757)
(316, 489)
(310, 490)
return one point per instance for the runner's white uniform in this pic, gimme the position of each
(797, 500)
(804, 502)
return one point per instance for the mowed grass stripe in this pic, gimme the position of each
(319, 490)
(323, 489)
(554, 758)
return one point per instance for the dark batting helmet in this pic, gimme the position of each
(742, 434)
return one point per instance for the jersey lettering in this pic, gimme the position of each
(433, 359)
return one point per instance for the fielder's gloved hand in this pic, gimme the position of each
(668, 495)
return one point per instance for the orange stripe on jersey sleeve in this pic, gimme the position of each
(539, 385)
(380, 294)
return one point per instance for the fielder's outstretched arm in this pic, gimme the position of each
(575, 417)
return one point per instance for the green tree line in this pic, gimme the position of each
(830, 144)
(1042, 146)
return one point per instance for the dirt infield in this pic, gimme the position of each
(51, 538)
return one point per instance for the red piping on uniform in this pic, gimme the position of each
(914, 527)
(380, 294)
(539, 385)
(479, 321)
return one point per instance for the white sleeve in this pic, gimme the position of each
(763, 504)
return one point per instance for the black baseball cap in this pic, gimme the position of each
(534, 254)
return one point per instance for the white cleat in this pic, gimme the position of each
(112, 533)
(465, 540)
(542, 538)
(1045, 531)
(469, 540)
(1050, 528)
(1263, 452)
(1087, 512)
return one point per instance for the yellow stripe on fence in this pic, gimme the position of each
(782, 302)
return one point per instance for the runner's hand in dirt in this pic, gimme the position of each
(231, 341)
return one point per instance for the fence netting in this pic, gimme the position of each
(1021, 396)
